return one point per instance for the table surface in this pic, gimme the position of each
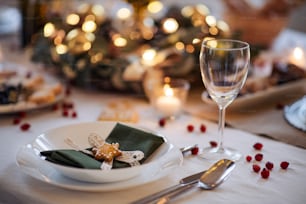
(243, 186)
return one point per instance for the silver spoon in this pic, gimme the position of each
(209, 180)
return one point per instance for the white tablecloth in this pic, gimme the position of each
(244, 186)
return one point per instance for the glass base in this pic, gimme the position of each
(215, 154)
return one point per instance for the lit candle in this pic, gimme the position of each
(168, 104)
(298, 57)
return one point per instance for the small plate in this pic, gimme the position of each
(275, 93)
(14, 69)
(165, 159)
(295, 114)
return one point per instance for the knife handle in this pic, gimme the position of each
(160, 194)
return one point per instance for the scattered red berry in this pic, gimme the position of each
(269, 165)
(162, 122)
(279, 106)
(190, 128)
(195, 150)
(265, 173)
(16, 121)
(258, 157)
(248, 158)
(25, 126)
(213, 143)
(256, 168)
(203, 128)
(258, 146)
(284, 164)
(65, 113)
(74, 114)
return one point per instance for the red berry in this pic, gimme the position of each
(25, 126)
(195, 150)
(258, 146)
(190, 128)
(16, 121)
(256, 168)
(248, 158)
(258, 157)
(203, 128)
(269, 165)
(65, 113)
(265, 173)
(162, 122)
(213, 143)
(74, 115)
(55, 107)
(284, 164)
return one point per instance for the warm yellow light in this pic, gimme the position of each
(72, 34)
(90, 17)
(96, 58)
(86, 46)
(211, 20)
(89, 26)
(170, 25)
(98, 10)
(202, 9)
(179, 46)
(124, 13)
(49, 29)
(73, 19)
(223, 26)
(196, 41)
(189, 48)
(168, 91)
(120, 42)
(155, 6)
(298, 53)
(187, 11)
(213, 30)
(61, 49)
(149, 55)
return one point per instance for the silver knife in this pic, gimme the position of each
(189, 180)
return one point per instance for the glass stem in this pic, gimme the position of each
(221, 128)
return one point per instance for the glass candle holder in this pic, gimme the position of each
(169, 97)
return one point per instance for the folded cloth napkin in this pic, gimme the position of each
(129, 139)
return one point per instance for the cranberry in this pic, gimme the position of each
(162, 122)
(74, 114)
(248, 158)
(213, 143)
(269, 165)
(16, 121)
(195, 150)
(65, 113)
(25, 126)
(284, 164)
(203, 128)
(190, 128)
(265, 173)
(55, 107)
(258, 157)
(256, 168)
(258, 146)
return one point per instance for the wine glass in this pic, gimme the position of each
(224, 68)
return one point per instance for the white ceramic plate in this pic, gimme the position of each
(275, 93)
(164, 160)
(20, 70)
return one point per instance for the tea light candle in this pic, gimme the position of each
(168, 104)
(298, 57)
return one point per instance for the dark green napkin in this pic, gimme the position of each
(129, 139)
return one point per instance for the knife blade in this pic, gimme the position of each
(189, 180)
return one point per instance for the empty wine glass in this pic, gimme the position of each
(224, 68)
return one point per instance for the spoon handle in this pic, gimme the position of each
(160, 194)
(176, 193)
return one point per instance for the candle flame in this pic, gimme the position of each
(298, 53)
(168, 91)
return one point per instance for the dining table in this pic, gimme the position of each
(244, 185)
